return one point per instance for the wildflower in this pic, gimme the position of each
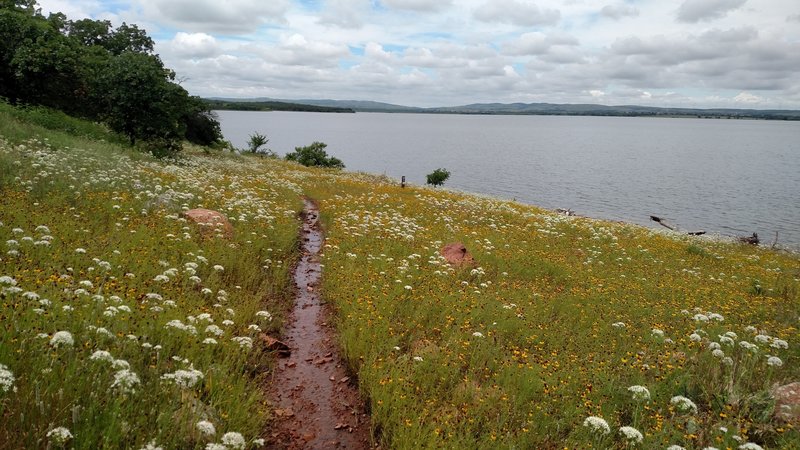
(774, 361)
(694, 337)
(59, 436)
(726, 340)
(728, 361)
(631, 434)
(748, 346)
(657, 333)
(80, 250)
(258, 442)
(120, 364)
(207, 428)
(8, 281)
(233, 440)
(243, 341)
(750, 446)
(126, 381)
(675, 447)
(700, 318)
(161, 278)
(597, 425)
(218, 268)
(6, 379)
(683, 404)
(618, 325)
(62, 338)
(478, 334)
(264, 314)
(418, 358)
(714, 346)
(101, 355)
(715, 316)
(184, 378)
(639, 392)
(151, 446)
(762, 339)
(750, 329)
(213, 446)
(717, 353)
(210, 341)
(779, 343)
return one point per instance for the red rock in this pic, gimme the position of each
(787, 402)
(211, 222)
(456, 254)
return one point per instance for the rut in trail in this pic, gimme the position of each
(316, 402)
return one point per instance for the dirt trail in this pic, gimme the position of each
(317, 405)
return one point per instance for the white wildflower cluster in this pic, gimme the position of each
(184, 378)
(152, 446)
(125, 381)
(657, 332)
(6, 379)
(597, 425)
(178, 325)
(631, 435)
(101, 355)
(639, 392)
(683, 404)
(477, 334)
(59, 436)
(62, 338)
(243, 341)
(265, 315)
(618, 325)
(774, 361)
(206, 428)
(750, 446)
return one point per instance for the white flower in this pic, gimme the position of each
(779, 343)
(418, 358)
(258, 442)
(762, 339)
(207, 428)
(8, 281)
(62, 338)
(774, 361)
(125, 381)
(161, 278)
(618, 325)
(218, 268)
(657, 333)
(184, 378)
(214, 446)
(243, 341)
(6, 379)
(215, 330)
(683, 404)
(726, 340)
(151, 446)
(728, 361)
(639, 392)
(264, 314)
(713, 346)
(717, 353)
(750, 446)
(233, 440)
(101, 355)
(597, 425)
(748, 346)
(80, 250)
(694, 337)
(675, 447)
(701, 318)
(478, 334)
(715, 316)
(631, 434)
(59, 436)
(210, 341)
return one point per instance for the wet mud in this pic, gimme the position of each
(315, 401)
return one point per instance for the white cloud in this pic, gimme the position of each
(418, 5)
(516, 12)
(538, 43)
(619, 11)
(693, 11)
(746, 97)
(194, 45)
(231, 16)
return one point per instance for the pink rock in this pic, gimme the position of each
(211, 222)
(456, 254)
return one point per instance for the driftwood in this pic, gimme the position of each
(664, 224)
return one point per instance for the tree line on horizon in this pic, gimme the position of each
(89, 69)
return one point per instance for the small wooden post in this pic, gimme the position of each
(403, 181)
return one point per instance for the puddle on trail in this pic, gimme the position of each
(316, 402)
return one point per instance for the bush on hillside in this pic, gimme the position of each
(314, 155)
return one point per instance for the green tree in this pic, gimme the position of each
(314, 155)
(200, 123)
(438, 177)
(258, 140)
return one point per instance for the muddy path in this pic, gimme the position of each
(315, 401)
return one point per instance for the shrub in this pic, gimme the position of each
(258, 140)
(438, 177)
(314, 155)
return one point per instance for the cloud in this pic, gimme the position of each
(229, 17)
(537, 43)
(746, 97)
(516, 12)
(194, 45)
(793, 18)
(349, 14)
(418, 5)
(618, 12)
(693, 11)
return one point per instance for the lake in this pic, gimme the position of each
(732, 177)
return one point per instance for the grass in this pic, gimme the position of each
(560, 316)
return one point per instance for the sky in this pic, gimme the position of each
(687, 53)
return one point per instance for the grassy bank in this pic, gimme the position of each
(558, 319)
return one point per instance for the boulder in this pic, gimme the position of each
(211, 222)
(787, 402)
(456, 254)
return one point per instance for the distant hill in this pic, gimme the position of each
(525, 108)
(270, 105)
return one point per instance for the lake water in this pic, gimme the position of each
(732, 177)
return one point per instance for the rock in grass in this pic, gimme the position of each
(457, 255)
(211, 223)
(787, 402)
